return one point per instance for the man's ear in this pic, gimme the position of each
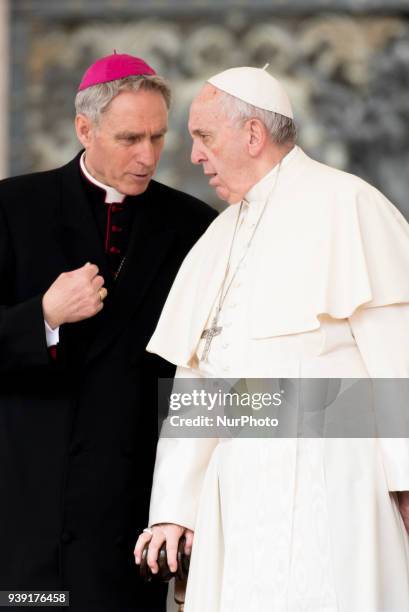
(84, 128)
(257, 135)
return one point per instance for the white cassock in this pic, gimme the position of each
(300, 525)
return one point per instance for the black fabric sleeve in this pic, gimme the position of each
(22, 334)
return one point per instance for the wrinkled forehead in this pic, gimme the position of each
(207, 106)
(208, 94)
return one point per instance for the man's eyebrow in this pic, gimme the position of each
(126, 134)
(129, 135)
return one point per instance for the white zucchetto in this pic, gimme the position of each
(254, 86)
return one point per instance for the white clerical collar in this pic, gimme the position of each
(111, 194)
(260, 190)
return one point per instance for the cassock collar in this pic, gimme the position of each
(260, 191)
(111, 194)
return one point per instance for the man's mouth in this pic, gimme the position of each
(212, 179)
(141, 176)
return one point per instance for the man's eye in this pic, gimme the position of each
(130, 139)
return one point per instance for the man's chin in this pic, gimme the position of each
(133, 189)
(223, 193)
(227, 196)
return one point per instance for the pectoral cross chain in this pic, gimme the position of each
(209, 334)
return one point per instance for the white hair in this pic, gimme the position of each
(282, 129)
(95, 100)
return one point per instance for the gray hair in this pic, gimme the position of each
(282, 129)
(95, 100)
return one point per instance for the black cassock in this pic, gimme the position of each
(78, 434)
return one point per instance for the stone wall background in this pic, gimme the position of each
(345, 64)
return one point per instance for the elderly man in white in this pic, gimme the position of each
(307, 275)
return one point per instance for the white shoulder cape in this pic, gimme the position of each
(328, 243)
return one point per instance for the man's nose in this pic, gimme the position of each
(197, 156)
(146, 153)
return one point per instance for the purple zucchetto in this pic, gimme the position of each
(113, 67)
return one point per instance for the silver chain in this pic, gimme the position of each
(117, 273)
(226, 274)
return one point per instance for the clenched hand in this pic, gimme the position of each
(74, 296)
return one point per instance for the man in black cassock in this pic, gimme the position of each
(88, 253)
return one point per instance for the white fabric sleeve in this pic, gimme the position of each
(382, 336)
(180, 468)
(52, 336)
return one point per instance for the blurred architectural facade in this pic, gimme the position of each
(347, 72)
(4, 87)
